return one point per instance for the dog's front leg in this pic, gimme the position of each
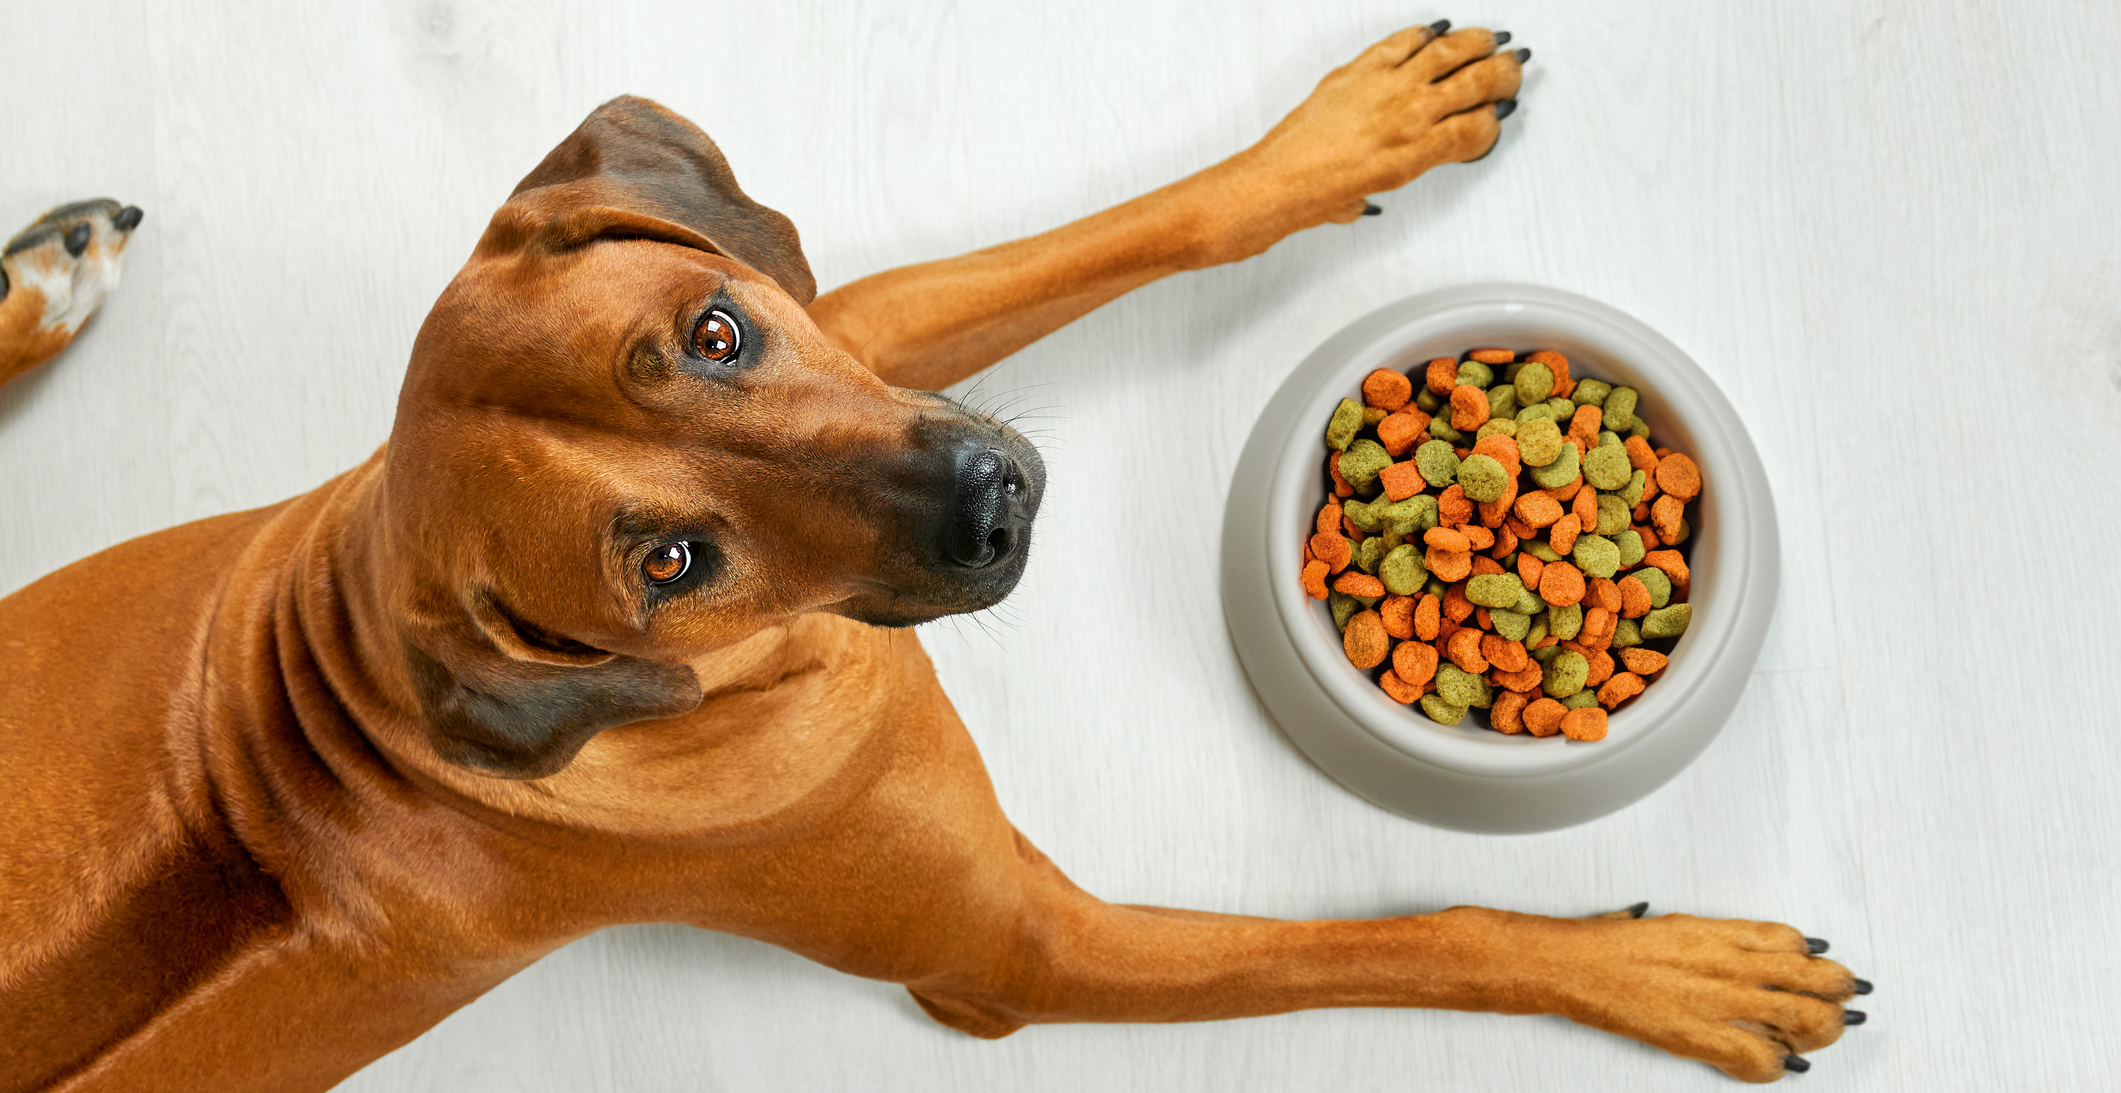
(1411, 102)
(54, 275)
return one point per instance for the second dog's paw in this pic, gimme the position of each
(55, 273)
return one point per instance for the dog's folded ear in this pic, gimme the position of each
(635, 170)
(513, 702)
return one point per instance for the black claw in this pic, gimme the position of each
(1637, 910)
(77, 239)
(1504, 108)
(1502, 37)
(1854, 1017)
(128, 218)
(1795, 1064)
(1370, 210)
(1863, 986)
(1815, 944)
(1523, 55)
(1439, 27)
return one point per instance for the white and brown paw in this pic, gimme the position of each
(54, 274)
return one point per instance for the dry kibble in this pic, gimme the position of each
(1386, 389)
(1542, 717)
(1584, 724)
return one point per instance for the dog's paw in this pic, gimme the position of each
(55, 273)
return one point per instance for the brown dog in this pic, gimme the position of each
(286, 787)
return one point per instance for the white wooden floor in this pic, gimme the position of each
(1889, 229)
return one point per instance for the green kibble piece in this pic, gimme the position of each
(1590, 392)
(1362, 514)
(1626, 633)
(1347, 421)
(1660, 586)
(1440, 429)
(1605, 467)
(1629, 542)
(1537, 633)
(1563, 408)
(1368, 553)
(1483, 478)
(1564, 623)
(1435, 588)
(1546, 655)
(1441, 712)
(1461, 688)
(1512, 625)
(1612, 517)
(1554, 475)
(1495, 426)
(1426, 400)
(1510, 370)
(1581, 700)
(1360, 464)
(1542, 551)
(1535, 381)
(1539, 442)
(1494, 590)
(1402, 570)
(1620, 408)
(1476, 374)
(1564, 675)
(1528, 601)
(1528, 414)
(1343, 607)
(1669, 622)
(1608, 439)
(1407, 517)
(1632, 492)
(1437, 462)
(1596, 556)
(1502, 401)
(1641, 428)
(1680, 535)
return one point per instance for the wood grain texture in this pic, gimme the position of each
(1887, 229)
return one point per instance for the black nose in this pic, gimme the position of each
(986, 523)
(128, 218)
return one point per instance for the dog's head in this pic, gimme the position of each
(622, 444)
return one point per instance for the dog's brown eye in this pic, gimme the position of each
(667, 563)
(717, 338)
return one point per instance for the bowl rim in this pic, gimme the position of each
(1676, 392)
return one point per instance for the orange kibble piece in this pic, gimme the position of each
(1527, 678)
(1673, 565)
(1314, 578)
(1505, 543)
(1562, 536)
(1398, 615)
(1329, 517)
(1640, 456)
(1583, 427)
(1603, 593)
(1542, 716)
(1332, 549)
(1483, 620)
(1634, 598)
(1566, 492)
(1455, 605)
(1585, 509)
(1477, 537)
(1561, 584)
(1415, 662)
(1503, 653)
(1428, 615)
(1529, 568)
(1619, 689)
(1493, 514)
(1493, 356)
(1357, 583)
(1642, 661)
(1649, 537)
(1484, 565)
(1398, 689)
(1449, 565)
(1464, 650)
(1453, 507)
(1442, 375)
(1341, 488)
(1469, 407)
(1501, 449)
(1365, 640)
(1523, 530)
(1650, 492)
(1447, 539)
(1677, 475)
(1507, 714)
(1584, 724)
(1666, 515)
(1386, 389)
(1601, 668)
(1443, 633)
(1400, 432)
(1538, 509)
(1353, 533)
(1402, 480)
(1640, 513)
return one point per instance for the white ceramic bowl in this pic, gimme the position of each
(1468, 776)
